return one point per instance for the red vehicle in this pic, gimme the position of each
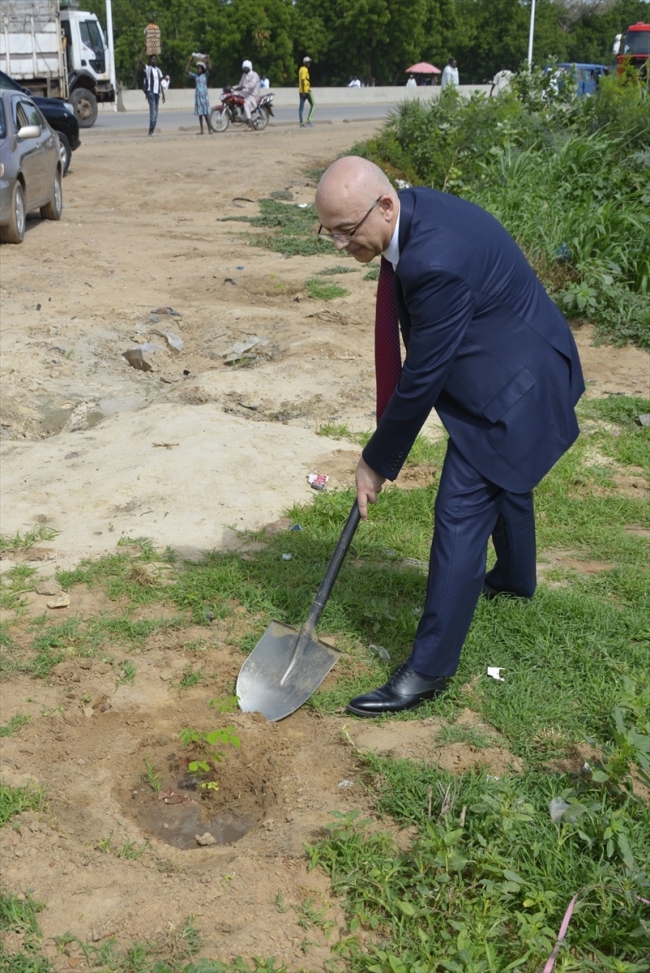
(231, 109)
(634, 47)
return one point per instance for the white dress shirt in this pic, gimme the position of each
(392, 250)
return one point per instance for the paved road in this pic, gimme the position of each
(173, 120)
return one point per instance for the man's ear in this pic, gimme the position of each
(387, 207)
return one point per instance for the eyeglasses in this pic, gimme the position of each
(339, 236)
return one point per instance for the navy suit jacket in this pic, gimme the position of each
(485, 346)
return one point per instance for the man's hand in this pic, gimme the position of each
(369, 484)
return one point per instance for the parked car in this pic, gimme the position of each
(30, 166)
(59, 114)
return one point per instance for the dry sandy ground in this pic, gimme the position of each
(183, 454)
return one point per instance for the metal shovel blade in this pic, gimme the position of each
(261, 686)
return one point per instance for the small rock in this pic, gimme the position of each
(49, 588)
(205, 839)
(88, 711)
(287, 557)
(95, 936)
(61, 602)
(644, 420)
(162, 740)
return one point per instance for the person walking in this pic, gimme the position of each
(201, 95)
(304, 90)
(153, 88)
(488, 349)
(501, 80)
(249, 87)
(450, 74)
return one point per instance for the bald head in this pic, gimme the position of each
(345, 195)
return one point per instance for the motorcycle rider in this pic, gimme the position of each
(249, 87)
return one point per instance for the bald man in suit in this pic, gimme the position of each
(492, 354)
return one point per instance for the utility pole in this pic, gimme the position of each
(530, 35)
(111, 49)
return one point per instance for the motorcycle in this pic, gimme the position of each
(231, 109)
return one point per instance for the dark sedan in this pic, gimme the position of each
(30, 166)
(58, 114)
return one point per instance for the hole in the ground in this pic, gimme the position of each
(177, 806)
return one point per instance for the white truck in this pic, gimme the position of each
(58, 53)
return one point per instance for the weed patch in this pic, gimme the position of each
(334, 271)
(286, 228)
(15, 800)
(372, 273)
(23, 542)
(15, 724)
(320, 291)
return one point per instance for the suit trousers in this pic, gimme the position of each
(468, 510)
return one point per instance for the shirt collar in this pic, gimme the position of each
(392, 250)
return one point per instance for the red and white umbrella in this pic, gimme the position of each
(423, 68)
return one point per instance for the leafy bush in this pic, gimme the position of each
(569, 177)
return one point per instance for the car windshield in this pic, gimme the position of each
(3, 127)
(91, 36)
(637, 42)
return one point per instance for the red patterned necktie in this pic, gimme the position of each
(388, 359)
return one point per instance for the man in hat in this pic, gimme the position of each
(489, 350)
(249, 87)
(304, 90)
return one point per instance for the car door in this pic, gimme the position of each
(27, 151)
(42, 152)
(51, 151)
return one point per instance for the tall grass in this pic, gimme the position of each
(569, 177)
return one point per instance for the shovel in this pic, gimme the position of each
(287, 666)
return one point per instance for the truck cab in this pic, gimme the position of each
(88, 64)
(633, 47)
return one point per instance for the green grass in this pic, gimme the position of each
(15, 724)
(31, 962)
(319, 291)
(23, 542)
(15, 800)
(485, 883)
(77, 637)
(372, 273)
(15, 583)
(18, 914)
(334, 271)
(286, 228)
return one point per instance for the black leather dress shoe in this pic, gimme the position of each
(490, 593)
(405, 689)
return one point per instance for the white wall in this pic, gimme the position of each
(178, 99)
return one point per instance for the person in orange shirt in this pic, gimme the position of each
(304, 89)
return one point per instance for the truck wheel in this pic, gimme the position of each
(66, 152)
(85, 107)
(14, 231)
(52, 210)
